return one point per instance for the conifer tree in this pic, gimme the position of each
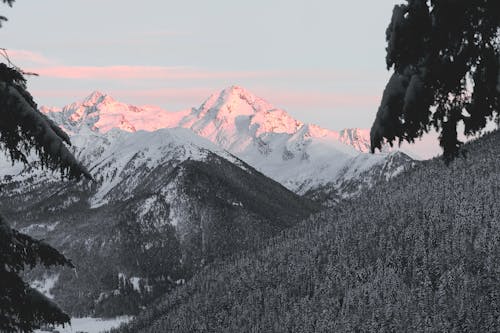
(446, 60)
(25, 130)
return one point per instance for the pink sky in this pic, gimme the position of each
(312, 59)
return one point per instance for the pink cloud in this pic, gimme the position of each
(57, 93)
(322, 99)
(134, 72)
(108, 72)
(176, 73)
(188, 97)
(18, 56)
(185, 97)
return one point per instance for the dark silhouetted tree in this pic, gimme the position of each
(25, 130)
(445, 55)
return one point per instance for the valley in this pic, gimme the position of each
(174, 192)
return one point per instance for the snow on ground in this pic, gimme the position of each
(135, 283)
(39, 227)
(46, 284)
(91, 325)
(124, 153)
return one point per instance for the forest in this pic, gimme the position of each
(419, 253)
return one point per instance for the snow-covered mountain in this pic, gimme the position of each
(300, 156)
(162, 204)
(101, 113)
(175, 190)
(356, 137)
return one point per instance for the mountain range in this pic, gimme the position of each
(419, 253)
(173, 191)
(302, 157)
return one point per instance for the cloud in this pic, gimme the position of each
(71, 95)
(178, 97)
(184, 97)
(194, 96)
(46, 67)
(147, 84)
(24, 56)
(177, 73)
(109, 72)
(131, 72)
(322, 99)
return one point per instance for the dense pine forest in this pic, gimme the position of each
(418, 253)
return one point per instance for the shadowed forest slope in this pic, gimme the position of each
(418, 253)
(160, 224)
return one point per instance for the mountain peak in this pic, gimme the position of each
(234, 118)
(234, 115)
(96, 97)
(100, 112)
(363, 132)
(234, 89)
(234, 100)
(238, 92)
(359, 138)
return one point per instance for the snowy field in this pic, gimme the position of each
(91, 325)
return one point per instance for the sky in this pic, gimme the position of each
(323, 61)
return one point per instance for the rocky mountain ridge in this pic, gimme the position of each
(300, 156)
(173, 191)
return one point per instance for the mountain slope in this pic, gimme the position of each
(358, 138)
(302, 157)
(419, 253)
(102, 113)
(164, 203)
(351, 183)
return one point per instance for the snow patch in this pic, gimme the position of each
(45, 284)
(39, 227)
(135, 283)
(134, 280)
(90, 325)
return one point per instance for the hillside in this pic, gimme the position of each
(170, 196)
(162, 205)
(419, 253)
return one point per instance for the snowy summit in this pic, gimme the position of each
(298, 155)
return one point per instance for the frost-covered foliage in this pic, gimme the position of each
(446, 58)
(420, 253)
(24, 129)
(22, 308)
